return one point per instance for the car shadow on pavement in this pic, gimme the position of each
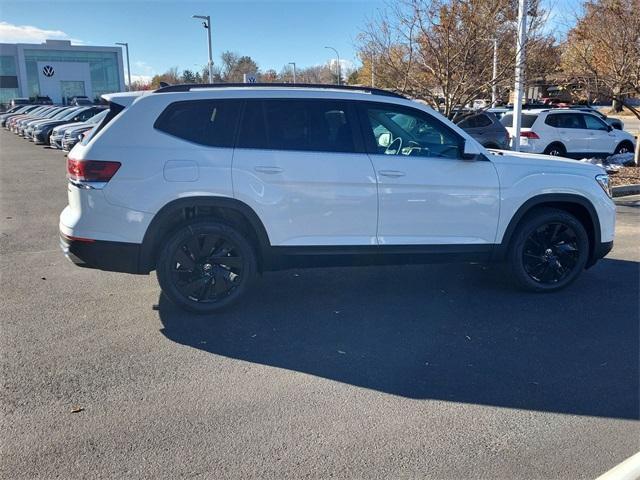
(458, 333)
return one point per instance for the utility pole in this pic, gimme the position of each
(494, 85)
(520, 66)
(126, 47)
(207, 25)
(294, 71)
(339, 70)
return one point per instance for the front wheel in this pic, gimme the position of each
(206, 266)
(624, 147)
(549, 250)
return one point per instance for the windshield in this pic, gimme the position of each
(97, 118)
(72, 114)
(61, 114)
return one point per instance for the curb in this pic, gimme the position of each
(623, 190)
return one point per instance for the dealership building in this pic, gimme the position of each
(59, 70)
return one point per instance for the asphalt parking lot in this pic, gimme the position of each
(440, 371)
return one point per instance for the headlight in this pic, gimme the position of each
(604, 182)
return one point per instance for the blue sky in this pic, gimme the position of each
(162, 34)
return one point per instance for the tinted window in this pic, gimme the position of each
(552, 120)
(307, 125)
(527, 121)
(594, 123)
(207, 122)
(475, 121)
(402, 131)
(570, 120)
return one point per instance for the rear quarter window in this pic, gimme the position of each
(205, 122)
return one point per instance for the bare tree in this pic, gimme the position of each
(603, 50)
(441, 51)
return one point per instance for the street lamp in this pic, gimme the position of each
(494, 84)
(126, 46)
(207, 25)
(520, 64)
(294, 71)
(338, 56)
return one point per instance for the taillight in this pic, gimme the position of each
(532, 135)
(91, 170)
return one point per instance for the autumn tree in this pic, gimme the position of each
(603, 50)
(441, 51)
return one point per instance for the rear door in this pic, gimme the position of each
(300, 165)
(572, 132)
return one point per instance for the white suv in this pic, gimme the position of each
(210, 185)
(568, 133)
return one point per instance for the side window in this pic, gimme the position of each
(570, 120)
(207, 122)
(552, 120)
(253, 128)
(483, 121)
(391, 130)
(594, 123)
(308, 125)
(469, 122)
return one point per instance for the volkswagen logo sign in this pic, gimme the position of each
(48, 71)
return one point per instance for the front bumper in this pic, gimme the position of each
(101, 254)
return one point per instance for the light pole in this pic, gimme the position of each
(339, 71)
(494, 85)
(520, 64)
(126, 47)
(207, 25)
(294, 71)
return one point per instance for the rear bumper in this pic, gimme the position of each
(101, 254)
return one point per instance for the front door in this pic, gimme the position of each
(299, 165)
(600, 139)
(428, 195)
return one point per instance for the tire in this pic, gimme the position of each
(555, 150)
(624, 147)
(206, 266)
(549, 250)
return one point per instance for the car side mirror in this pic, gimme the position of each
(609, 128)
(384, 140)
(471, 151)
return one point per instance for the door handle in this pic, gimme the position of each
(391, 173)
(267, 169)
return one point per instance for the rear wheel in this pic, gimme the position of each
(549, 250)
(206, 266)
(555, 150)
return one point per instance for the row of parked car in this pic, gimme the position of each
(56, 126)
(572, 131)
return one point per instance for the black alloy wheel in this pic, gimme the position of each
(551, 253)
(548, 251)
(206, 266)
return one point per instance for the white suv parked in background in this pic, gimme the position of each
(568, 133)
(210, 185)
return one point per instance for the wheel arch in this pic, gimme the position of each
(184, 210)
(577, 205)
(556, 142)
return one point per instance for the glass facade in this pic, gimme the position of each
(8, 78)
(105, 77)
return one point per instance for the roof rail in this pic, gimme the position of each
(186, 87)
